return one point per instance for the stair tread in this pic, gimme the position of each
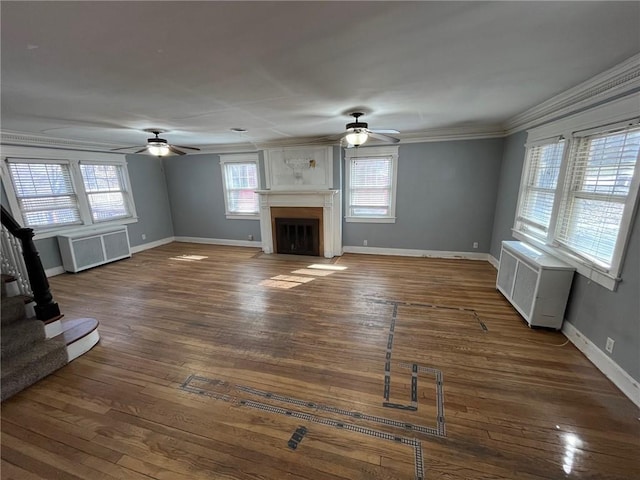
(74, 330)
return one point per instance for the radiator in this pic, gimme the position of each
(536, 284)
(89, 248)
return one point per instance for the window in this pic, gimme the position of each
(578, 194)
(371, 184)
(596, 192)
(48, 193)
(539, 188)
(105, 191)
(45, 194)
(240, 181)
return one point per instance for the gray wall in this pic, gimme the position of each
(596, 312)
(445, 200)
(599, 313)
(510, 173)
(197, 199)
(152, 200)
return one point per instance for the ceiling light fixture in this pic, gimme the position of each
(158, 147)
(357, 137)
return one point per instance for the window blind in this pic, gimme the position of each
(45, 193)
(600, 173)
(106, 191)
(370, 186)
(536, 204)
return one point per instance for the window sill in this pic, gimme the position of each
(237, 216)
(370, 219)
(606, 280)
(75, 228)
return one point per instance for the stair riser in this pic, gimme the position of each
(32, 331)
(12, 311)
(30, 373)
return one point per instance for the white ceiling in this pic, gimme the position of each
(104, 71)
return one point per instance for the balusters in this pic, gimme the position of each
(13, 261)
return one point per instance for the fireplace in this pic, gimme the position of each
(323, 206)
(298, 236)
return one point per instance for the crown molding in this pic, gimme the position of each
(468, 132)
(617, 81)
(30, 140)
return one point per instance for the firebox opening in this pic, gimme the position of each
(298, 236)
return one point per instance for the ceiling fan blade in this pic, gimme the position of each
(383, 137)
(384, 131)
(140, 151)
(125, 148)
(175, 150)
(188, 148)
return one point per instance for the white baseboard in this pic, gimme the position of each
(147, 246)
(220, 241)
(405, 252)
(603, 362)
(493, 261)
(52, 272)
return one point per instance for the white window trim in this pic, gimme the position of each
(369, 152)
(238, 158)
(596, 119)
(73, 158)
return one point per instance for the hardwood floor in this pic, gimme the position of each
(211, 357)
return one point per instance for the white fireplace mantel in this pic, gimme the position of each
(330, 202)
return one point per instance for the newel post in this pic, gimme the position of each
(45, 307)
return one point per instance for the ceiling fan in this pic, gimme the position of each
(358, 132)
(157, 146)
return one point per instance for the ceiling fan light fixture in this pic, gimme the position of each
(357, 137)
(158, 149)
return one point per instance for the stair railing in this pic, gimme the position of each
(21, 259)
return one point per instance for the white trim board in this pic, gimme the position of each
(603, 362)
(52, 272)
(493, 261)
(149, 245)
(405, 252)
(220, 241)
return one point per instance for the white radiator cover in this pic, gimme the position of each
(89, 248)
(536, 284)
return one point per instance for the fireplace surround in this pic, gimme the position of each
(323, 205)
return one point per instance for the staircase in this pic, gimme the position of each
(35, 340)
(27, 355)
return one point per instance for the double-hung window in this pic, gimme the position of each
(44, 192)
(240, 180)
(54, 190)
(106, 191)
(596, 194)
(371, 175)
(579, 191)
(539, 188)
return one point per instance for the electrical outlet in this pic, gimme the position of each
(609, 346)
(475, 244)
(364, 243)
(250, 237)
(144, 236)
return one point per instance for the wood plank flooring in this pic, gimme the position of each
(211, 357)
